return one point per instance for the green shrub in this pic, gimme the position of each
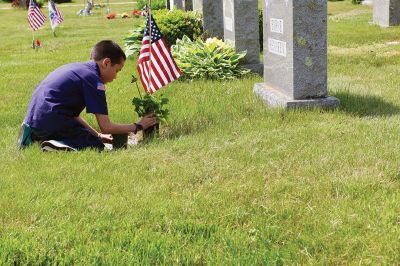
(40, 3)
(211, 59)
(177, 23)
(173, 25)
(155, 4)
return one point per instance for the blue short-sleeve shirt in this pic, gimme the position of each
(63, 95)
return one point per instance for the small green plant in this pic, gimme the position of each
(151, 104)
(133, 41)
(210, 59)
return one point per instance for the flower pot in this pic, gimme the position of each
(151, 132)
(120, 141)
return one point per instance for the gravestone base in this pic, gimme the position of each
(255, 68)
(274, 98)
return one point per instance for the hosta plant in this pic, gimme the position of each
(133, 41)
(210, 59)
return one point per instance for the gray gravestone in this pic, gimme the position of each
(213, 22)
(387, 12)
(295, 54)
(241, 30)
(176, 4)
(188, 5)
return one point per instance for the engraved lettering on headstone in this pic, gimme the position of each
(276, 25)
(277, 47)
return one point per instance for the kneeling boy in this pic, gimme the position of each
(56, 104)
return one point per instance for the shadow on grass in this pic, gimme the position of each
(181, 129)
(365, 105)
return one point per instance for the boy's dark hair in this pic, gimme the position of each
(107, 49)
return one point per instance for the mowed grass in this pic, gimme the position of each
(229, 181)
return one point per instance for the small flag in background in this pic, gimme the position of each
(55, 15)
(156, 66)
(35, 16)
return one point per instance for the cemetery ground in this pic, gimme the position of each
(229, 181)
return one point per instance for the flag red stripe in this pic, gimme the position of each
(167, 71)
(158, 65)
(170, 62)
(177, 71)
(156, 74)
(35, 16)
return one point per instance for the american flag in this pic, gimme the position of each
(35, 16)
(156, 66)
(55, 15)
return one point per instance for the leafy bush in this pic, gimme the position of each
(16, 3)
(133, 41)
(211, 59)
(173, 25)
(155, 4)
(177, 23)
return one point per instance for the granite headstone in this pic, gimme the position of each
(295, 54)
(176, 4)
(386, 12)
(213, 23)
(188, 5)
(241, 30)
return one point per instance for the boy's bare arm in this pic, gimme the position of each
(105, 138)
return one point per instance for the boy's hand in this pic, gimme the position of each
(105, 138)
(147, 121)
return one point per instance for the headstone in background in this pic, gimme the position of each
(386, 12)
(241, 30)
(188, 5)
(167, 4)
(176, 4)
(295, 54)
(213, 22)
(24, 3)
(367, 2)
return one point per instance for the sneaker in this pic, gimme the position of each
(54, 145)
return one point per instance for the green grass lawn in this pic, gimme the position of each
(228, 182)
